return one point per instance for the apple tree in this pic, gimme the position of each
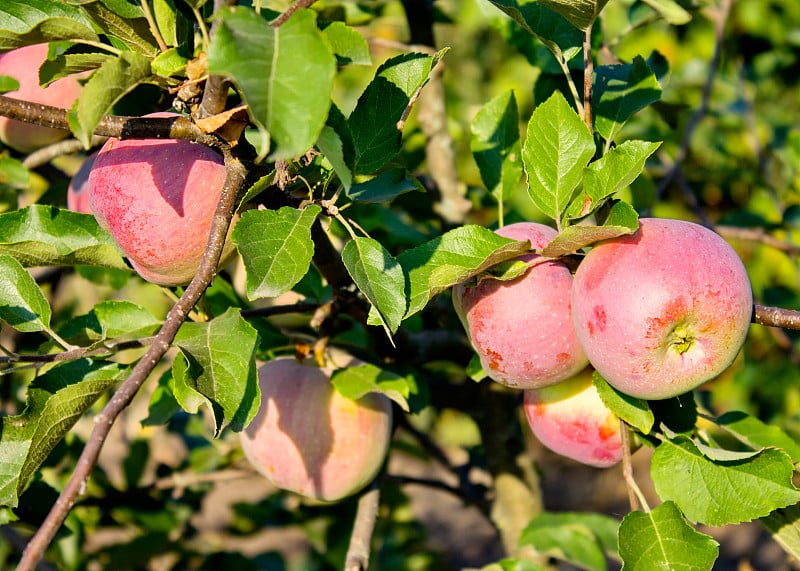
(399, 285)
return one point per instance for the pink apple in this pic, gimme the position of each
(663, 310)
(570, 419)
(157, 198)
(522, 329)
(23, 65)
(77, 197)
(309, 439)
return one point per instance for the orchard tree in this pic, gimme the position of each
(399, 285)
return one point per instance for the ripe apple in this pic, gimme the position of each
(663, 310)
(77, 197)
(157, 198)
(23, 65)
(570, 419)
(309, 439)
(522, 329)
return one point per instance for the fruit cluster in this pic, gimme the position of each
(656, 313)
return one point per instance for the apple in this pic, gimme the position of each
(522, 329)
(309, 439)
(570, 419)
(157, 198)
(663, 310)
(23, 65)
(77, 197)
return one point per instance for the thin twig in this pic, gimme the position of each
(18, 542)
(627, 464)
(776, 317)
(50, 152)
(757, 235)
(296, 5)
(588, 73)
(301, 307)
(122, 397)
(151, 22)
(77, 352)
(357, 558)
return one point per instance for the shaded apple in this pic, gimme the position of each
(157, 198)
(23, 65)
(570, 419)
(309, 439)
(522, 329)
(77, 197)
(663, 310)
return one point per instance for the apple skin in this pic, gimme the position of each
(23, 65)
(309, 439)
(157, 198)
(521, 329)
(663, 310)
(570, 419)
(77, 197)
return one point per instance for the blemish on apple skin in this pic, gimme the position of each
(562, 357)
(600, 317)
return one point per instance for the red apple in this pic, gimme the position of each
(157, 198)
(663, 310)
(521, 329)
(77, 197)
(309, 439)
(570, 419)
(23, 65)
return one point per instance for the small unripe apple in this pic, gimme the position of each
(23, 65)
(663, 310)
(521, 329)
(570, 419)
(77, 197)
(309, 439)
(157, 198)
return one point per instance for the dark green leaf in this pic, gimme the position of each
(22, 304)
(355, 382)
(581, 13)
(125, 22)
(163, 405)
(562, 38)
(495, 145)
(619, 92)
(383, 188)
(26, 22)
(635, 412)
(330, 144)
(276, 248)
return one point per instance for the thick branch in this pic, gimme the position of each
(776, 317)
(357, 558)
(122, 397)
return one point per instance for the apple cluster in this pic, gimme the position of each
(656, 313)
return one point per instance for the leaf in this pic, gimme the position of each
(495, 145)
(559, 36)
(13, 173)
(349, 46)
(40, 235)
(557, 148)
(614, 171)
(619, 92)
(218, 369)
(26, 22)
(111, 319)
(509, 564)
(632, 410)
(275, 69)
(784, 525)
(722, 492)
(379, 277)
(276, 248)
(373, 122)
(330, 144)
(112, 80)
(581, 539)
(355, 382)
(756, 434)
(125, 22)
(581, 13)
(662, 539)
(671, 11)
(56, 400)
(622, 221)
(163, 405)
(383, 188)
(22, 304)
(454, 257)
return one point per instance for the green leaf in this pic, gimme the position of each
(26, 22)
(614, 171)
(557, 148)
(115, 78)
(582, 539)
(582, 13)
(662, 539)
(622, 221)
(40, 235)
(784, 525)
(218, 369)
(373, 123)
(619, 92)
(756, 434)
(276, 248)
(349, 46)
(8, 83)
(111, 319)
(13, 173)
(330, 144)
(454, 257)
(125, 22)
(722, 492)
(163, 405)
(635, 412)
(64, 65)
(383, 188)
(166, 16)
(169, 63)
(355, 382)
(495, 145)
(22, 304)
(559, 36)
(56, 400)
(275, 70)
(671, 11)
(379, 277)
(509, 564)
